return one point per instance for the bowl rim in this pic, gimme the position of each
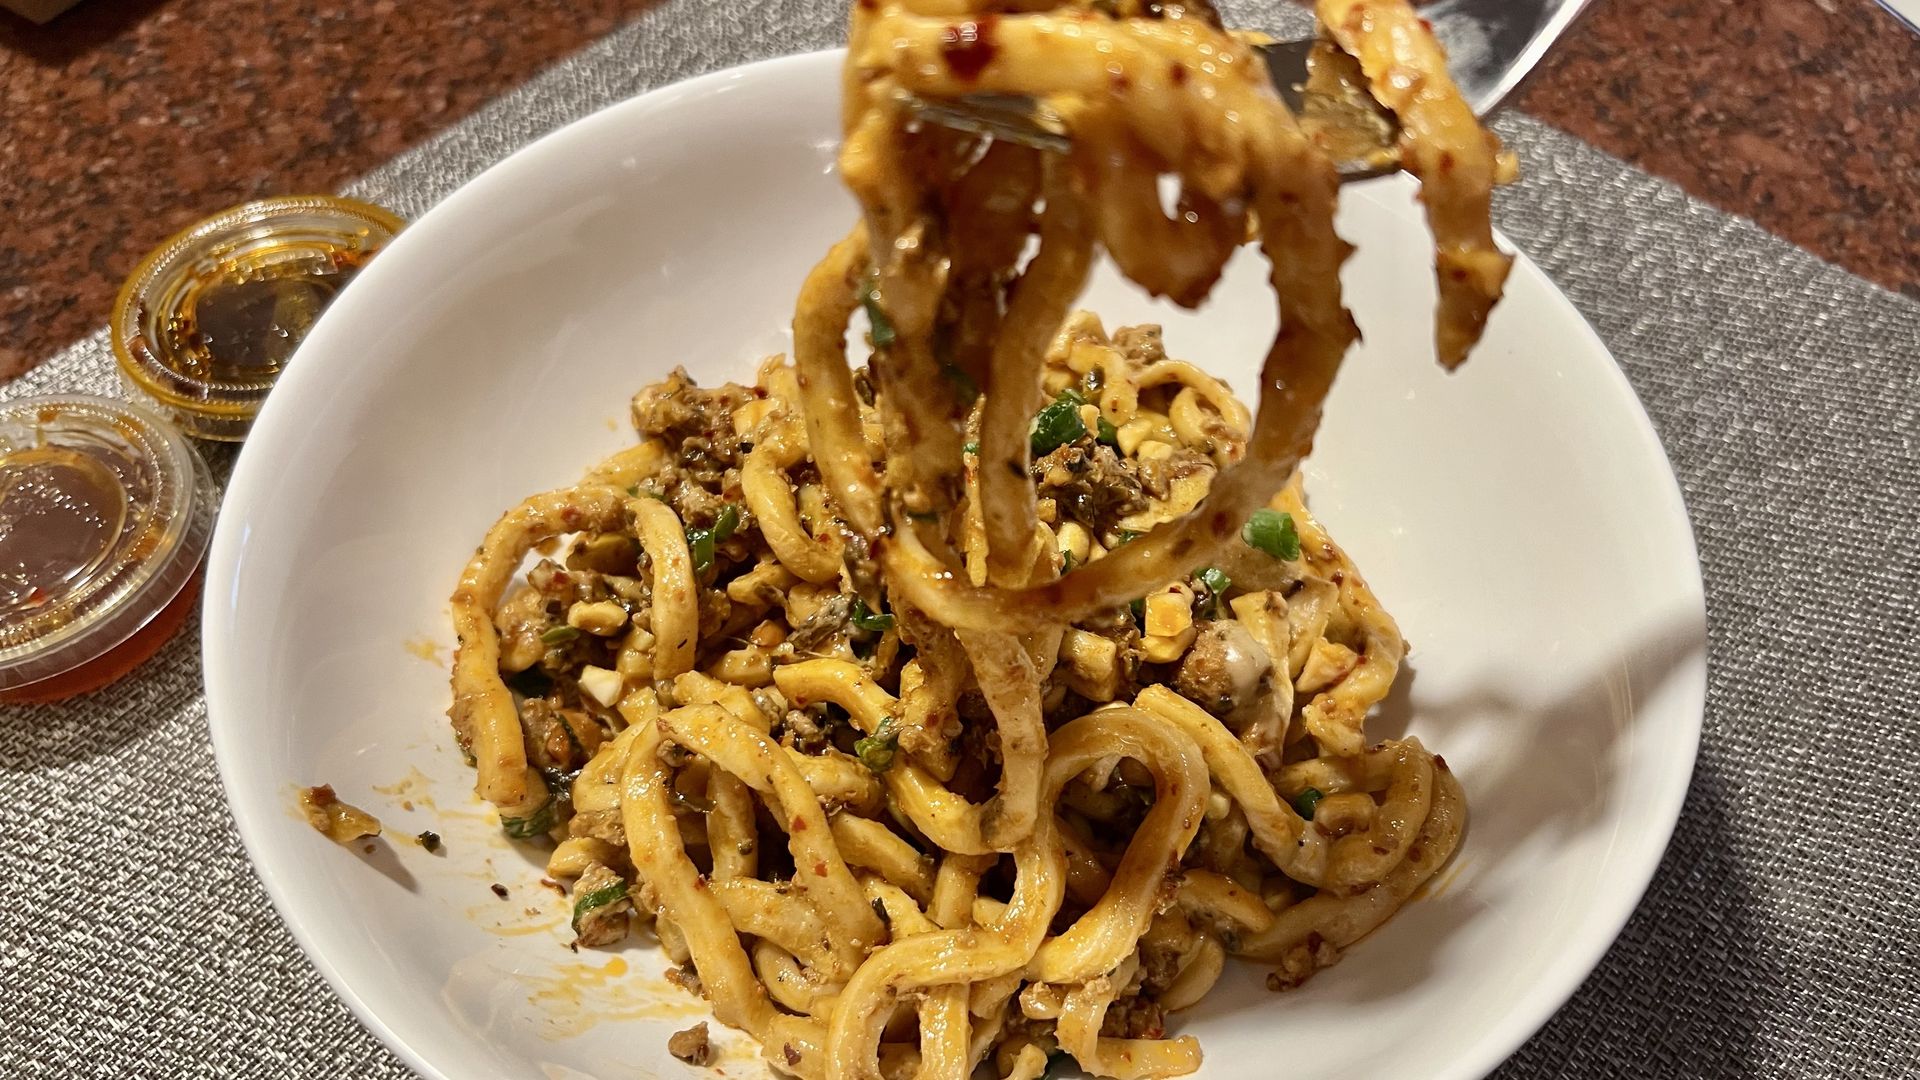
(279, 422)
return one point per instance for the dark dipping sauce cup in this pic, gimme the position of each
(105, 512)
(210, 318)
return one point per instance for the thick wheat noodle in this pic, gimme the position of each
(963, 955)
(1360, 860)
(1081, 1016)
(1368, 771)
(785, 917)
(1179, 257)
(1011, 687)
(1203, 892)
(1343, 920)
(1077, 59)
(946, 1025)
(1444, 145)
(947, 819)
(699, 688)
(627, 467)
(482, 705)
(1336, 716)
(1040, 299)
(1197, 975)
(827, 398)
(929, 702)
(732, 834)
(1262, 613)
(1315, 331)
(1344, 863)
(990, 211)
(870, 845)
(839, 778)
(790, 984)
(920, 409)
(726, 976)
(763, 765)
(1014, 940)
(1098, 940)
(1279, 832)
(763, 484)
(1213, 390)
(676, 603)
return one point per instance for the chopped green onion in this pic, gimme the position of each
(1217, 583)
(534, 824)
(1066, 562)
(1108, 433)
(882, 326)
(593, 900)
(530, 683)
(971, 448)
(559, 635)
(866, 618)
(1138, 607)
(700, 542)
(1306, 801)
(633, 489)
(1058, 424)
(1125, 536)
(876, 751)
(1272, 531)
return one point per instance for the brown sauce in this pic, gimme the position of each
(61, 512)
(242, 323)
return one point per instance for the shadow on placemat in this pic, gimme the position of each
(47, 736)
(1689, 985)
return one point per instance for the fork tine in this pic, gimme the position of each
(1021, 120)
(1000, 116)
(1287, 66)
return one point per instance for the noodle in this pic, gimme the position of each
(942, 713)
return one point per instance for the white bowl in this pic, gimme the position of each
(1518, 518)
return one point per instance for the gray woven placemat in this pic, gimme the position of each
(1780, 938)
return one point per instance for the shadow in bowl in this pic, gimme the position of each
(1570, 784)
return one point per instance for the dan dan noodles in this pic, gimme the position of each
(972, 706)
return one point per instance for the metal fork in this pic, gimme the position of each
(1491, 46)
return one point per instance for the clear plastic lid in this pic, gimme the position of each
(105, 511)
(206, 323)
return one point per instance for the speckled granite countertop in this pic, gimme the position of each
(124, 120)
